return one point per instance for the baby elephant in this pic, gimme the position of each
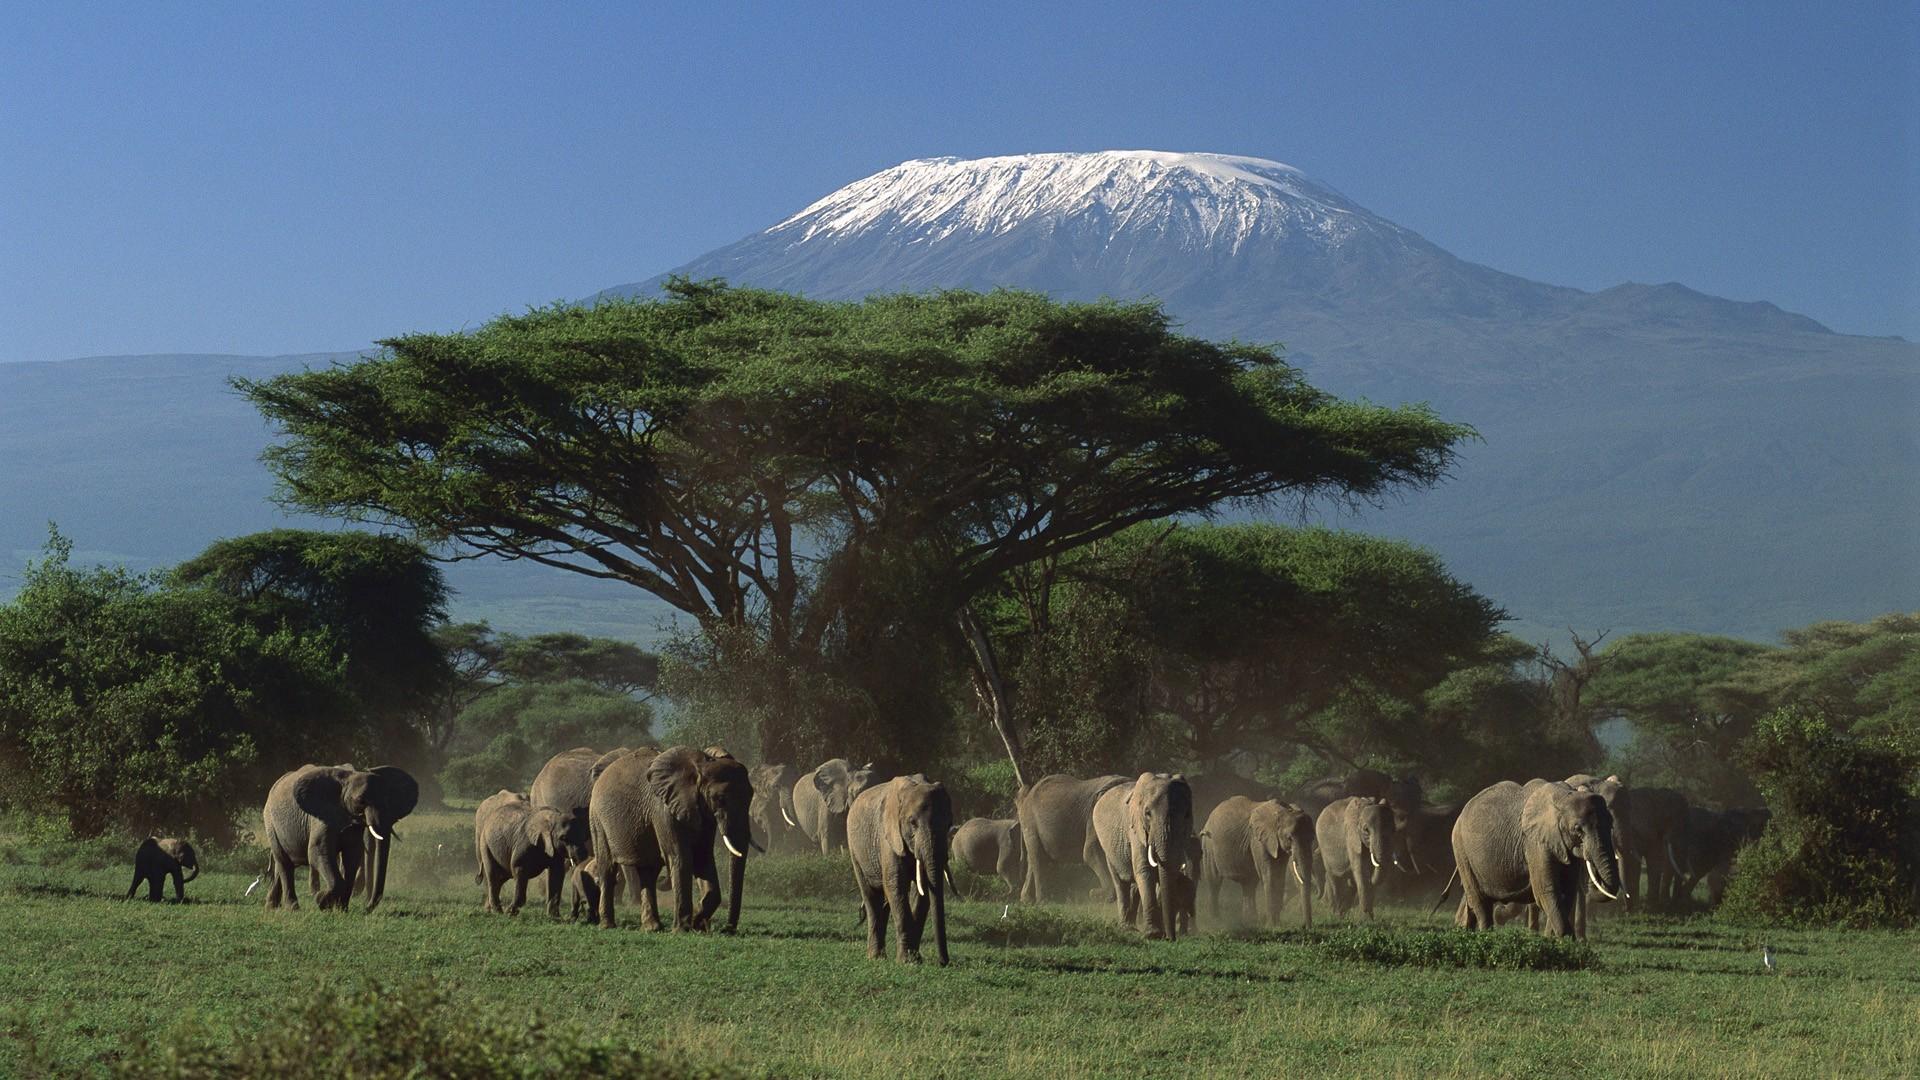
(992, 846)
(155, 859)
(513, 839)
(583, 885)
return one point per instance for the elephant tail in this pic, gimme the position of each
(1445, 892)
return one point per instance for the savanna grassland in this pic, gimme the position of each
(1058, 991)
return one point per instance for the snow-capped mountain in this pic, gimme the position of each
(1653, 457)
(1186, 228)
(1211, 202)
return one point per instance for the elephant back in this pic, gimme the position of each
(566, 780)
(1056, 811)
(1226, 840)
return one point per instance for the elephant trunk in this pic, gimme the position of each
(1603, 868)
(379, 886)
(1306, 886)
(737, 835)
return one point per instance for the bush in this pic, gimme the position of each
(503, 764)
(417, 1031)
(802, 877)
(1841, 846)
(1509, 949)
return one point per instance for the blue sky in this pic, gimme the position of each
(250, 178)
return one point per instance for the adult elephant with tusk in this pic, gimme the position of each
(1143, 828)
(897, 837)
(319, 816)
(773, 810)
(1255, 844)
(1351, 835)
(1542, 843)
(669, 809)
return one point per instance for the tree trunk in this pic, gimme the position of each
(987, 683)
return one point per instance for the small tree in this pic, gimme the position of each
(130, 703)
(1841, 846)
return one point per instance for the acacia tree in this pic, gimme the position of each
(753, 457)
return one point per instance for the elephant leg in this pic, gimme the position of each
(1275, 887)
(135, 887)
(520, 878)
(1096, 861)
(494, 878)
(179, 887)
(647, 881)
(1155, 910)
(874, 901)
(556, 884)
(914, 926)
(708, 875)
(900, 902)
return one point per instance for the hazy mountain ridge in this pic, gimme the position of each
(1653, 457)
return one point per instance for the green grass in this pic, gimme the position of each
(1056, 991)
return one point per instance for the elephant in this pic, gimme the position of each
(1349, 834)
(1183, 884)
(992, 846)
(315, 817)
(583, 884)
(1055, 815)
(1142, 829)
(1522, 843)
(566, 780)
(1713, 838)
(1322, 793)
(1653, 833)
(650, 811)
(514, 838)
(898, 834)
(822, 797)
(157, 859)
(1254, 844)
(1618, 800)
(773, 810)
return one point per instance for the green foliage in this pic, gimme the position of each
(1843, 845)
(378, 598)
(418, 1030)
(1507, 949)
(983, 790)
(1691, 703)
(832, 480)
(1200, 641)
(131, 703)
(526, 724)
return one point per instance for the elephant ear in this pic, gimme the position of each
(676, 784)
(318, 794)
(893, 814)
(1540, 820)
(394, 790)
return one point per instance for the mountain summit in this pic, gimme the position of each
(1194, 201)
(1188, 229)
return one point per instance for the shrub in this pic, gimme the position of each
(1841, 846)
(802, 877)
(417, 1031)
(1509, 949)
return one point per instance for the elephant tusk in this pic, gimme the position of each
(255, 885)
(375, 832)
(789, 817)
(1595, 878)
(919, 876)
(1671, 861)
(1150, 859)
(1375, 858)
(727, 841)
(1295, 863)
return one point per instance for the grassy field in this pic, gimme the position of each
(1058, 991)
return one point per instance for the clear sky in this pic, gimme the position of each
(252, 178)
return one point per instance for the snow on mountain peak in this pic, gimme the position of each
(1202, 200)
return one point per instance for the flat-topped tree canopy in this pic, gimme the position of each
(733, 451)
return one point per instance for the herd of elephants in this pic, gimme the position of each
(1536, 851)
